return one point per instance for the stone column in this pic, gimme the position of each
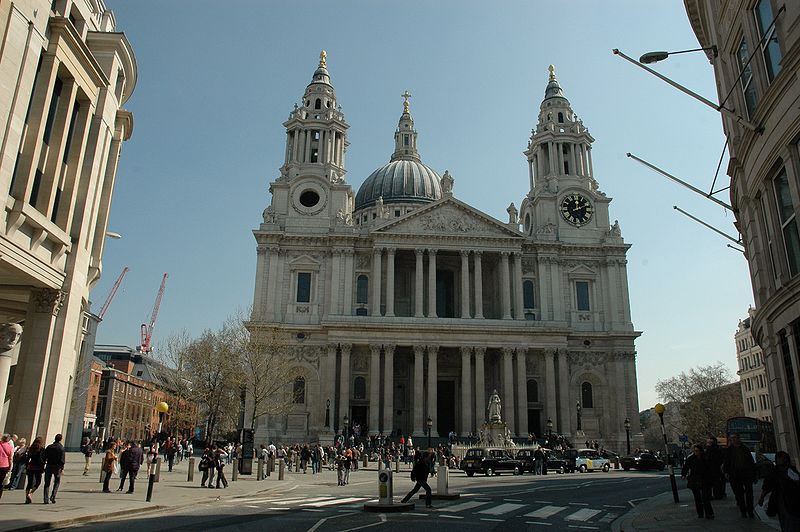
(542, 289)
(565, 408)
(344, 383)
(335, 277)
(433, 375)
(505, 295)
(9, 352)
(622, 387)
(374, 389)
(431, 283)
(466, 390)
(349, 272)
(465, 284)
(390, 252)
(478, 286)
(376, 281)
(522, 391)
(261, 268)
(519, 311)
(388, 388)
(508, 389)
(480, 389)
(278, 292)
(419, 280)
(591, 167)
(418, 392)
(272, 272)
(550, 383)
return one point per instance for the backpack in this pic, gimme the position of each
(205, 463)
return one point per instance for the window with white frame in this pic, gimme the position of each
(303, 287)
(746, 73)
(788, 220)
(582, 301)
(770, 48)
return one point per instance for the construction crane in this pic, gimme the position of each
(111, 294)
(147, 329)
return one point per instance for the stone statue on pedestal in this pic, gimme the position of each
(494, 407)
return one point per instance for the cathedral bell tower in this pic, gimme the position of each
(316, 133)
(564, 200)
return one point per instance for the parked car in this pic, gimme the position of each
(555, 461)
(590, 460)
(526, 459)
(490, 462)
(642, 462)
(570, 459)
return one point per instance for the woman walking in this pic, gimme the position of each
(18, 466)
(698, 471)
(34, 464)
(220, 463)
(6, 459)
(783, 486)
(108, 465)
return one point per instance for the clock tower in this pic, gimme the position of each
(564, 199)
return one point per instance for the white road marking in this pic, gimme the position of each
(290, 501)
(512, 500)
(545, 512)
(582, 515)
(490, 519)
(334, 501)
(578, 503)
(613, 506)
(544, 502)
(463, 506)
(453, 516)
(311, 510)
(502, 509)
(538, 523)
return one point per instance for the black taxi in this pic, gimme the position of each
(490, 461)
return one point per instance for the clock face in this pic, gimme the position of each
(576, 209)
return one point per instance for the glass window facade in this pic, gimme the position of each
(770, 48)
(582, 295)
(304, 287)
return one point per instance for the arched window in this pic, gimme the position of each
(362, 289)
(299, 390)
(360, 388)
(318, 104)
(587, 399)
(527, 294)
(533, 391)
(560, 118)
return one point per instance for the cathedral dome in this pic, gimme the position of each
(400, 181)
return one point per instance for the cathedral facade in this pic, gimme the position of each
(405, 307)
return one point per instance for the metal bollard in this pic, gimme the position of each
(281, 470)
(158, 469)
(296, 464)
(190, 476)
(260, 469)
(235, 474)
(270, 465)
(397, 465)
(366, 460)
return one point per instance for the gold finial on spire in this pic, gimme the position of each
(322, 59)
(406, 95)
(552, 70)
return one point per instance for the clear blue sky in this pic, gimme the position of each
(217, 79)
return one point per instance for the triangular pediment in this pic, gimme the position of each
(449, 216)
(582, 270)
(304, 260)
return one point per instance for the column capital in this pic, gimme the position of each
(333, 346)
(347, 251)
(464, 253)
(377, 250)
(432, 251)
(419, 350)
(346, 348)
(391, 250)
(47, 300)
(389, 348)
(466, 350)
(480, 351)
(376, 349)
(522, 349)
(261, 249)
(433, 349)
(419, 252)
(505, 254)
(507, 351)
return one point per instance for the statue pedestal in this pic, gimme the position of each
(495, 434)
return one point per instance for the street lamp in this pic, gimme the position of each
(328, 414)
(162, 409)
(578, 410)
(654, 57)
(346, 423)
(660, 409)
(549, 430)
(429, 424)
(628, 433)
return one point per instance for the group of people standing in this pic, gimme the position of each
(129, 461)
(31, 461)
(709, 467)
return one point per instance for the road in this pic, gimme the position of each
(589, 501)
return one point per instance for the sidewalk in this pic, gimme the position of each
(661, 513)
(80, 498)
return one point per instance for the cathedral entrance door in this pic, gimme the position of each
(445, 407)
(359, 416)
(445, 294)
(535, 421)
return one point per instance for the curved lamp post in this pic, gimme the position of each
(578, 410)
(660, 409)
(346, 423)
(429, 424)
(162, 408)
(549, 430)
(628, 433)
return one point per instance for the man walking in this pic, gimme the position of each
(123, 466)
(714, 456)
(740, 472)
(54, 465)
(419, 474)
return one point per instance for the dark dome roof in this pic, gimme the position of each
(400, 181)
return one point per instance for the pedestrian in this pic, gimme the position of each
(108, 465)
(782, 484)
(132, 463)
(87, 449)
(54, 459)
(220, 464)
(34, 464)
(123, 465)
(6, 459)
(419, 474)
(208, 466)
(739, 469)
(18, 465)
(170, 450)
(699, 473)
(715, 458)
(538, 461)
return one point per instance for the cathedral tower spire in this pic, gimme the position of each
(405, 138)
(560, 146)
(316, 133)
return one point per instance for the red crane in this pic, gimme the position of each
(111, 294)
(147, 330)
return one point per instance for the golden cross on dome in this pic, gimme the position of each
(552, 70)
(406, 95)
(322, 58)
